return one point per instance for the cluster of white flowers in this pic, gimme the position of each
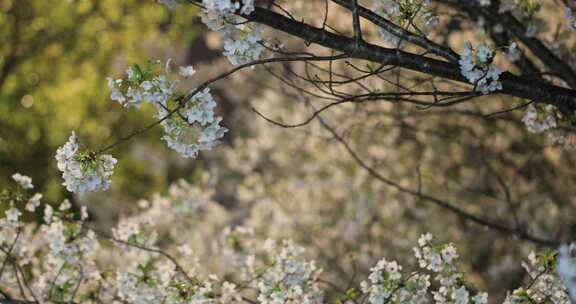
(55, 250)
(545, 285)
(187, 133)
(477, 67)
(13, 215)
(566, 141)
(186, 71)
(146, 282)
(226, 8)
(536, 125)
(84, 172)
(33, 202)
(290, 278)
(244, 46)
(546, 120)
(441, 260)
(201, 131)
(242, 42)
(158, 282)
(23, 180)
(69, 257)
(68, 242)
(389, 285)
(142, 85)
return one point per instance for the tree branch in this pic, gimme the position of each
(564, 99)
(437, 201)
(400, 32)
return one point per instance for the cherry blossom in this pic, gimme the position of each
(84, 172)
(476, 66)
(23, 180)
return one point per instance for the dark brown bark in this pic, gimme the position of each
(564, 99)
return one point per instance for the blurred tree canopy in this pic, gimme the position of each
(353, 183)
(54, 60)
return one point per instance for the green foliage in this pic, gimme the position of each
(53, 72)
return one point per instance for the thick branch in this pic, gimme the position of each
(564, 99)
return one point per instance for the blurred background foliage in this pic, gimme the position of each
(56, 55)
(54, 60)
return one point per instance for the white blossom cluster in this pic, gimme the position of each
(68, 243)
(62, 252)
(477, 67)
(196, 129)
(290, 278)
(68, 264)
(441, 261)
(141, 283)
(64, 247)
(200, 131)
(33, 202)
(546, 286)
(24, 181)
(242, 42)
(535, 123)
(140, 86)
(84, 172)
(548, 120)
(229, 7)
(12, 213)
(389, 285)
(244, 45)
(12, 219)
